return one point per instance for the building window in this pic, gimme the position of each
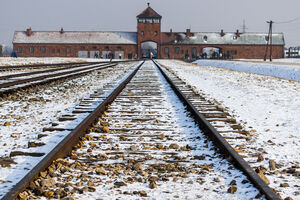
(166, 50)
(58, 50)
(141, 20)
(142, 33)
(119, 48)
(53, 50)
(94, 47)
(155, 33)
(43, 49)
(149, 21)
(82, 47)
(182, 51)
(106, 48)
(20, 49)
(68, 50)
(177, 50)
(156, 21)
(31, 49)
(194, 52)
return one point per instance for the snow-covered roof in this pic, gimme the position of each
(76, 37)
(228, 38)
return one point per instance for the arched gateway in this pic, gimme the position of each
(147, 48)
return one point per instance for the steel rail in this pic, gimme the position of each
(52, 76)
(65, 146)
(223, 145)
(39, 72)
(3, 68)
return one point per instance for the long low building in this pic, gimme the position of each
(146, 42)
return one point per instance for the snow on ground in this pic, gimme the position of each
(268, 106)
(286, 71)
(280, 60)
(8, 61)
(24, 114)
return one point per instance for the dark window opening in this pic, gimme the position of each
(177, 50)
(82, 47)
(58, 50)
(106, 47)
(20, 49)
(53, 50)
(68, 50)
(94, 47)
(194, 52)
(182, 51)
(166, 50)
(31, 49)
(43, 49)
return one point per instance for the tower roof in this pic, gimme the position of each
(149, 12)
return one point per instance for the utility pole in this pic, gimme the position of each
(244, 26)
(269, 41)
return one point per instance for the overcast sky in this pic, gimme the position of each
(120, 15)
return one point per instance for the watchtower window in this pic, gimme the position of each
(141, 20)
(156, 21)
(149, 21)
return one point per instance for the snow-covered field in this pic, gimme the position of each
(268, 106)
(8, 61)
(286, 71)
(23, 115)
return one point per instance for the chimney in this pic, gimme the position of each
(29, 32)
(188, 33)
(171, 31)
(222, 33)
(238, 33)
(62, 31)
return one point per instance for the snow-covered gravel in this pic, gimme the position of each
(287, 71)
(268, 106)
(25, 113)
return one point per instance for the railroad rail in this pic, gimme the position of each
(12, 82)
(132, 130)
(20, 67)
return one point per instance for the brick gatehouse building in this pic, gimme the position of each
(147, 40)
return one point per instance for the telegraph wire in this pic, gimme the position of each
(287, 22)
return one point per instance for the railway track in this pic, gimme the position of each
(140, 141)
(42, 66)
(11, 82)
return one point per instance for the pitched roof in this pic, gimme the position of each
(215, 38)
(149, 12)
(76, 37)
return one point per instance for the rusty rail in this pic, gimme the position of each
(223, 145)
(65, 146)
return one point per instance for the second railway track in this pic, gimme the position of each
(146, 144)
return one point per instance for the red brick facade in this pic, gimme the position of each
(236, 51)
(149, 30)
(71, 50)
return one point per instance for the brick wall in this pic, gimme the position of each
(237, 51)
(60, 50)
(149, 32)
